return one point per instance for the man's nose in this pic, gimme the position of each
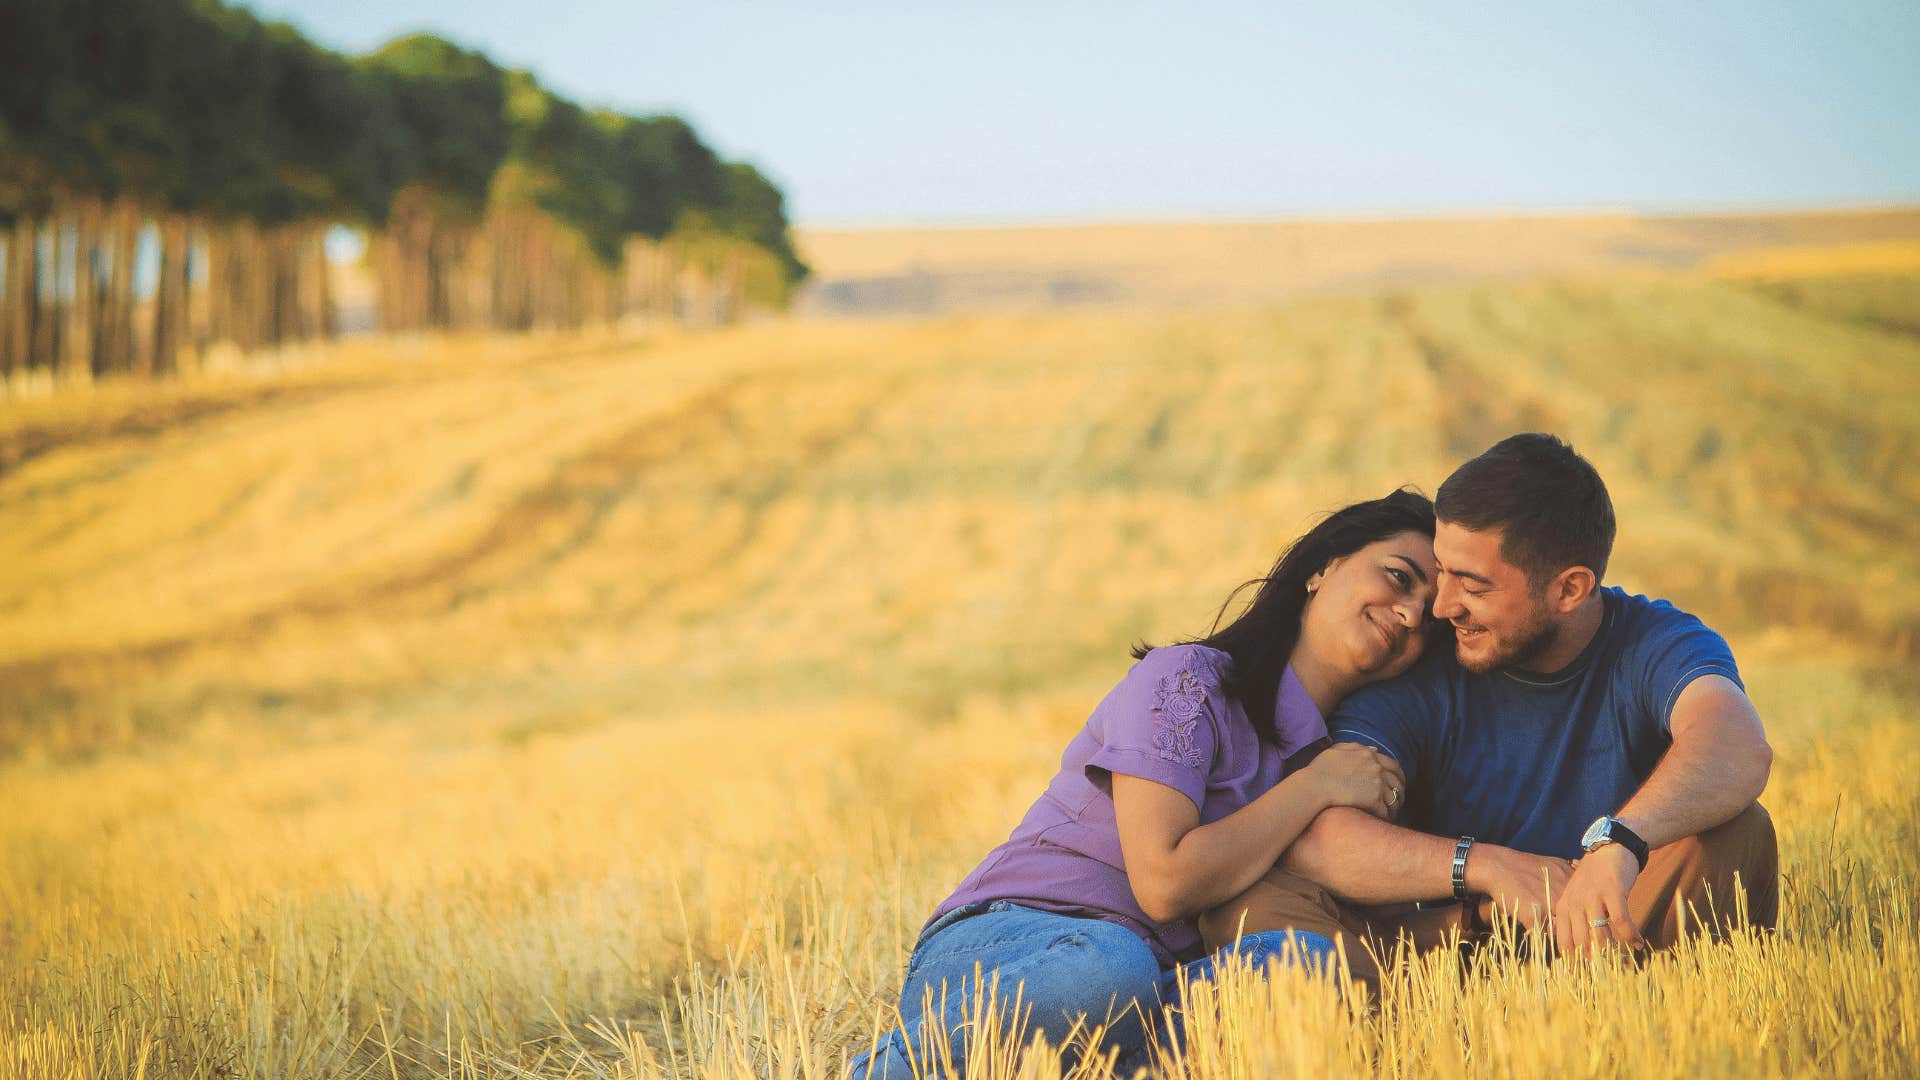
(1446, 600)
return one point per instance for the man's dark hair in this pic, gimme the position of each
(1548, 502)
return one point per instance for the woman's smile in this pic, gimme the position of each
(1387, 637)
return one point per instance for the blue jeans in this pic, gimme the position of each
(1068, 972)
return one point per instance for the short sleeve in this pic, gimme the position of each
(1673, 650)
(1162, 723)
(1391, 717)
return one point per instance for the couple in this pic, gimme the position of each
(1430, 711)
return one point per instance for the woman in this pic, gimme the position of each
(1185, 786)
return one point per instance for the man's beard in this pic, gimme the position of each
(1527, 644)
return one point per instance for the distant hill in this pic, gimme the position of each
(932, 271)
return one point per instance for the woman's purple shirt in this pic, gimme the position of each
(1167, 721)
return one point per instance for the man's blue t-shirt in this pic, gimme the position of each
(1528, 761)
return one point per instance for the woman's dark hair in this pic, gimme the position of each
(1262, 638)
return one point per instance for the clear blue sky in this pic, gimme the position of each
(898, 112)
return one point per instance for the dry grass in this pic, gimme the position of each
(565, 708)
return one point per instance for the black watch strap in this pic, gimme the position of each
(1618, 832)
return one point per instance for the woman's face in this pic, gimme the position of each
(1368, 609)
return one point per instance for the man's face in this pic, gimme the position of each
(1499, 619)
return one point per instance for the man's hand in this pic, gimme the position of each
(1597, 892)
(1524, 886)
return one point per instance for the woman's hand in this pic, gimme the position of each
(1350, 774)
(1179, 868)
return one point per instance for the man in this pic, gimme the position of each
(1581, 758)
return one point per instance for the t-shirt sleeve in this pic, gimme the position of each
(1674, 650)
(1389, 718)
(1162, 723)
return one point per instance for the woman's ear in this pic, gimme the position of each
(1314, 582)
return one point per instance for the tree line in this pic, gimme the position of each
(170, 169)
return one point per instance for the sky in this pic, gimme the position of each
(900, 113)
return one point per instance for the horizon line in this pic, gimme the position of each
(1355, 215)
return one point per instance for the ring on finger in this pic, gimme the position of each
(1596, 923)
(1393, 796)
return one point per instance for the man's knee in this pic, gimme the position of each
(1747, 848)
(1709, 879)
(1282, 900)
(1749, 830)
(1745, 842)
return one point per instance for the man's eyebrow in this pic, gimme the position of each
(1469, 575)
(1413, 566)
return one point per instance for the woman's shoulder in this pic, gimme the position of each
(1159, 707)
(1192, 665)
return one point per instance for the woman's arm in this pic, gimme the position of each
(1179, 868)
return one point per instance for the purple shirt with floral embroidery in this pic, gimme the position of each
(1168, 721)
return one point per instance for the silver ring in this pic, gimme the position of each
(1393, 796)
(1596, 923)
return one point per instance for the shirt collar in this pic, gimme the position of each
(1297, 722)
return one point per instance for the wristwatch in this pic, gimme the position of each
(1611, 830)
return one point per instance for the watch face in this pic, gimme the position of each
(1596, 834)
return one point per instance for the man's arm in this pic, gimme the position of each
(1359, 857)
(1362, 859)
(1716, 767)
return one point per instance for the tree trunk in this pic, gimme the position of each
(22, 294)
(407, 265)
(126, 342)
(297, 316)
(283, 307)
(666, 262)
(170, 313)
(441, 256)
(732, 286)
(512, 262)
(220, 283)
(82, 315)
(56, 285)
(299, 298)
(323, 289)
(252, 279)
(113, 349)
(200, 241)
(8, 272)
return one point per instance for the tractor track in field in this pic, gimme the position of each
(20, 446)
(518, 525)
(534, 531)
(24, 444)
(813, 451)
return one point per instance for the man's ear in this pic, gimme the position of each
(1570, 588)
